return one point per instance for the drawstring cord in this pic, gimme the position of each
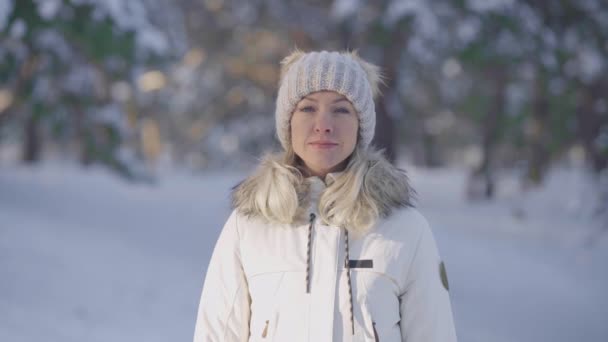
(350, 290)
(346, 265)
(308, 245)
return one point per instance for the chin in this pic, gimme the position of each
(327, 165)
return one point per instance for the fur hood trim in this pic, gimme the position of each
(369, 188)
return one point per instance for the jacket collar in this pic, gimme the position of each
(316, 186)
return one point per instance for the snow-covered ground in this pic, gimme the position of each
(85, 256)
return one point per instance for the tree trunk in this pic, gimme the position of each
(481, 181)
(31, 144)
(385, 123)
(82, 136)
(589, 124)
(384, 137)
(538, 135)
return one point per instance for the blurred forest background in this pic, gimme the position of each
(490, 85)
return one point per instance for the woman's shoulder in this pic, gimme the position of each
(243, 219)
(248, 221)
(406, 223)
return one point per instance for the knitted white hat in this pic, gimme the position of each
(343, 72)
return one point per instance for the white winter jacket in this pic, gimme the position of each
(267, 282)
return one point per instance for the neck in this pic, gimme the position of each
(322, 173)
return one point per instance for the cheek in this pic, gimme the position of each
(350, 131)
(298, 130)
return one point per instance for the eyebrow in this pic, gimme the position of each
(335, 101)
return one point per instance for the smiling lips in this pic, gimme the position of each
(323, 144)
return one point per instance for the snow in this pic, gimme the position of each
(519, 277)
(399, 9)
(111, 115)
(6, 7)
(86, 256)
(128, 16)
(591, 64)
(467, 29)
(426, 21)
(18, 29)
(342, 9)
(131, 15)
(489, 5)
(48, 9)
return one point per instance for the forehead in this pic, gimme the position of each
(324, 95)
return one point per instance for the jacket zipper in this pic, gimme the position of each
(376, 338)
(265, 332)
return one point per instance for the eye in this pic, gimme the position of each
(342, 110)
(307, 109)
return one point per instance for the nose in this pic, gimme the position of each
(323, 123)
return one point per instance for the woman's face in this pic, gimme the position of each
(324, 128)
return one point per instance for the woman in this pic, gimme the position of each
(324, 243)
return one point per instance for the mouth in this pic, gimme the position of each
(323, 144)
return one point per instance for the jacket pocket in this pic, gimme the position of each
(265, 305)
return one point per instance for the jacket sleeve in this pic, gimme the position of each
(224, 309)
(426, 311)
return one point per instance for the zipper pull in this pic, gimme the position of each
(312, 218)
(265, 332)
(376, 338)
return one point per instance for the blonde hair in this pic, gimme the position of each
(368, 188)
